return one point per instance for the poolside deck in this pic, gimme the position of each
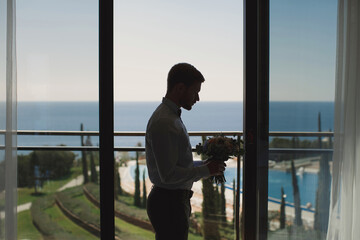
(128, 185)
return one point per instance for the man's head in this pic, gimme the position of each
(184, 84)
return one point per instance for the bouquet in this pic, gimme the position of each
(220, 148)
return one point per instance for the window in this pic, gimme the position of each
(302, 81)
(149, 39)
(57, 59)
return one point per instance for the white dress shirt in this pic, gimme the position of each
(169, 157)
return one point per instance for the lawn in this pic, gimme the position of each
(26, 230)
(78, 232)
(26, 195)
(127, 231)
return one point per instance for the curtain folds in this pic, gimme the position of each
(344, 220)
(9, 164)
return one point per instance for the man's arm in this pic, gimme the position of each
(165, 147)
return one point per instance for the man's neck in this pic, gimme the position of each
(173, 98)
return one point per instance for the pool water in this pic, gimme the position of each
(307, 183)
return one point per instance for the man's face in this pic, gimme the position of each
(190, 96)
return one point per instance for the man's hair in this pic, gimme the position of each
(183, 73)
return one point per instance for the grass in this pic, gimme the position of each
(125, 204)
(195, 237)
(93, 208)
(53, 223)
(26, 230)
(73, 199)
(26, 195)
(129, 231)
(76, 231)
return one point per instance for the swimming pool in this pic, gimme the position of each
(307, 183)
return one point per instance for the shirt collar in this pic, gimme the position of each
(175, 108)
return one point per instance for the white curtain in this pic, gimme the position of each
(8, 191)
(344, 220)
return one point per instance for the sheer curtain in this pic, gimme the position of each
(344, 222)
(8, 160)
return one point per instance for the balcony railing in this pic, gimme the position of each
(142, 134)
(310, 151)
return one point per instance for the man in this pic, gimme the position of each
(169, 157)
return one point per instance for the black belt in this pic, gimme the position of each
(178, 192)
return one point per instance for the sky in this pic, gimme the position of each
(57, 48)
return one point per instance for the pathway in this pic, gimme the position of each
(26, 206)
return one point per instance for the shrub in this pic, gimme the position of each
(43, 221)
(80, 207)
(55, 164)
(52, 165)
(94, 189)
(69, 200)
(125, 204)
(25, 174)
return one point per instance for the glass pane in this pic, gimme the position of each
(57, 93)
(2, 114)
(302, 82)
(149, 39)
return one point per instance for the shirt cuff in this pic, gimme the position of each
(203, 172)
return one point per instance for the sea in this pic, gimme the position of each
(133, 116)
(205, 116)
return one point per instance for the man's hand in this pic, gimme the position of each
(215, 167)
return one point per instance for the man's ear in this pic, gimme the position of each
(180, 88)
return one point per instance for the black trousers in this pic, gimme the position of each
(169, 212)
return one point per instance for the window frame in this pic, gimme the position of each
(106, 118)
(256, 118)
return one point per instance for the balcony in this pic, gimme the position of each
(307, 162)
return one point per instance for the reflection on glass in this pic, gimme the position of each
(2, 135)
(302, 76)
(57, 92)
(2, 122)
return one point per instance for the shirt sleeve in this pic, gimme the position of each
(198, 163)
(165, 147)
